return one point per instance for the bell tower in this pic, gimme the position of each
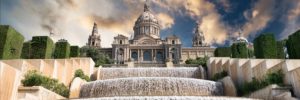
(198, 39)
(94, 38)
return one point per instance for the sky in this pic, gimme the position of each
(219, 20)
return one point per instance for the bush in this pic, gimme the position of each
(42, 47)
(80, 73)
(222, 52)
(34, 78)
(220, 75)
(265, 46)
(26, 50)
(280, 49)
(74, 51)
(293, 46)
(11, 43)
(254, 85)
(62, 49)
(239, 50)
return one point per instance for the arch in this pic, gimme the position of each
(147, 55)
(134, 56)
(159, 56)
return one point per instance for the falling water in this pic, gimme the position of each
(169, 98)
(151, 86)
(187, 72)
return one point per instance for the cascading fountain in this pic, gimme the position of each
(151, 86)
(112, 73)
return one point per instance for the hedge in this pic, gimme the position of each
(42, 47)
(222, 52)
(74, 51)
(239, 50)
(26, 50)
(280, 49)
(11, 43)
(79, 73)
(62, 50)
(34, 78)
(265, 46)
(293, 45)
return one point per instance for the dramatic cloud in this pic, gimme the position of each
(166, 20)
(292, 22)
(258, 17)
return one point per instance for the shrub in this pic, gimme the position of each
(220, 75)
(98, 57)
(265, 46)
(239, 50)
(62, 49)
(11, 43)
(34, 78)
(74, 51)
(280, 51)
(222, 52)
(293, 46)
(26, 50)
(80, 73)
(254, 85)
(42, 47)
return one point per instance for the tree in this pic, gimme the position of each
(293, 46)
(265, 46)
(222, 52)
(98, 57)
(280, 51)
(239, 50)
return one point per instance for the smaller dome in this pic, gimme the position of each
(241, 39)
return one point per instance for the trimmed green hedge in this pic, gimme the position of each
(26, 51)
(34, 78)
(239, 50)
(42, 47)
(222, 52)
(293, 45)
(280, 49)
(62, 50)
(74, 51)
(220, 75)
(265, 46)
(11, 43)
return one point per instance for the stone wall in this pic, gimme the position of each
(12, 71)
(243, 70)
(37, 93)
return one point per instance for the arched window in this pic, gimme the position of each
(147, 55)
(173, 41)
(159, 56)
(134, 56)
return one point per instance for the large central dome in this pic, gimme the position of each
(147, 25)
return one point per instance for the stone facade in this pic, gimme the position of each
(147, 47)
(94, 38)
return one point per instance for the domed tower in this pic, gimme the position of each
(94, 38)
(240, 38)
(147, 24)
(198, 39)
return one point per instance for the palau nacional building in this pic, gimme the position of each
(147, 46)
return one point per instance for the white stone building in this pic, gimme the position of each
(146, 46)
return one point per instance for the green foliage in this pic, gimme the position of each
(98, 57)
(239, 50)
(254, 85)
(26, 50)
(220, 75)
(265, 46)
(250, 53)
(74, 51)
(293, 46)
(280, 51)
(34, 78)
(11, 43)
(199, 60)
(223, 52)
(41, 47)
(62, 50)
(80, 73)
